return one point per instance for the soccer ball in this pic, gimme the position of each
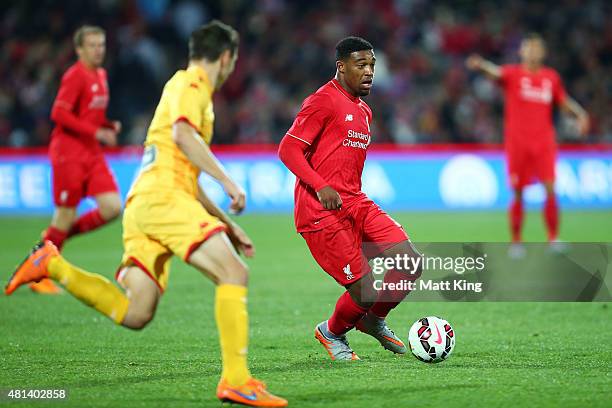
(431, 339)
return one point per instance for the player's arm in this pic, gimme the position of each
(199, 153)
(62, 112)
(569, 105)
(306, 128)
(239, 238)
(476, 63)
(292, 153)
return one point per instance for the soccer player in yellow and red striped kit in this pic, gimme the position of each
(167, 213)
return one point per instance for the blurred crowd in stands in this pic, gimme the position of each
(422, 91)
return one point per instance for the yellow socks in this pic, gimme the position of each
(92, 289)
(233, 324)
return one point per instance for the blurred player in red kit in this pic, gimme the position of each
(326, 149)
(78, 164)
(530, 91)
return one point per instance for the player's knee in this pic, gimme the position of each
(233, 273)
(518, 194)
(110, 210)
(64, 217)
(138, 320)
(363, 292)
(550, 189)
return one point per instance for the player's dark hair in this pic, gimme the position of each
(81, 32)
(534, 36)
(209, 41)
(348, 45)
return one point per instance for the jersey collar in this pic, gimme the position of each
(201, 74)
(84, 67)
(343, 91)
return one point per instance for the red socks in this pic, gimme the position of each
(516, 219)
(87, 222)
(346, 315)
(551, 216)
(56, 236)
(389, 299)
(550, 213)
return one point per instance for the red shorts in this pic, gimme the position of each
(343, 249)
(75, 180)
(527, 166)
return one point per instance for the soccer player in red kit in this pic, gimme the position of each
(326, 149)
(78, 164)
(530, 91)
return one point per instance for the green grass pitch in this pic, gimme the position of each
(507, 354)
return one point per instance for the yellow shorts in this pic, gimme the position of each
(157, 226)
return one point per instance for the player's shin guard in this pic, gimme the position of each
(516, 219)
(551, 217)
(389, 299)
(346, 315)
(233, 324)
(56, 236)
(87, 222)
(92, 289)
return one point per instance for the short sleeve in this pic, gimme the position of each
(69, 91)
(559, 93)
(316, 112)
(188, 105)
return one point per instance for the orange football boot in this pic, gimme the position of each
(253, 393)
(45, 287)
(34, 267)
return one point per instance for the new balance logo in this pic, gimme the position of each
(347, 272)
(349, 117)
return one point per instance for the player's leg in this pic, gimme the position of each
(92, 289)
(389, 299)
(217, 259)
(516, 214)
(519, 167)
(68, 180)
(337, 249)
(143, 295)
(109, 208)
(550, 211)
(101, 185)
(143, 274)
(384, 237)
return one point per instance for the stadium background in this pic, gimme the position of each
(428, 109)
(436, 163)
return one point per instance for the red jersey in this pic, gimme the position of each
(79, 111)
(529, 98)
(336, 126)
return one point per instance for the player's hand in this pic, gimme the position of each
(241, 241)
(329, 198)
(107, 136)
(474, 62)
(237, 195)
(117, 126)
(583, 125)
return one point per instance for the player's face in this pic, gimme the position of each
(358, 72)
(532, 51)
(93, 49)
(228, 63)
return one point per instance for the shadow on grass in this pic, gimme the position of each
(344, 395)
